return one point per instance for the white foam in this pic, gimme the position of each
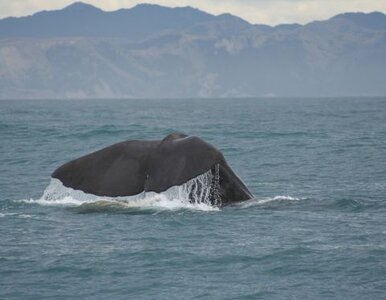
(2, 215)
(25, 216)
(200, 193)
(194, 194)
(262, 201)
(284, 198)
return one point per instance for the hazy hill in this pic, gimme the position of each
(154, 51)
(84, 20)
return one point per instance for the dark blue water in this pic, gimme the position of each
(316, 229)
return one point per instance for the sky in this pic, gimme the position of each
(271, 12)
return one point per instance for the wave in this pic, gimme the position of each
(197, 194)
(200, 189)
(17, 215)
(267, 200)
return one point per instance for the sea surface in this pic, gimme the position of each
(316, 228)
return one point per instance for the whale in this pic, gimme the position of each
(133, 167)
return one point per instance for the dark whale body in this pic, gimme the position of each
(132, 167)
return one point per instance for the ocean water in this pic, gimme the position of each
(316, 228)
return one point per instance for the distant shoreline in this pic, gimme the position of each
(197, 98)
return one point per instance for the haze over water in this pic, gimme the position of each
(315, 230)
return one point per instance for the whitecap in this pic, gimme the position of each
(265, 200)
(196, 194)
(2, 215)
(25, 216)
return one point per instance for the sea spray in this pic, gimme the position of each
(199, 193)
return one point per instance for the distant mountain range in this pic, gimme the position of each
(154, 51)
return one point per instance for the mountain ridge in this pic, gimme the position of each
(80, 9)
(149, 50)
